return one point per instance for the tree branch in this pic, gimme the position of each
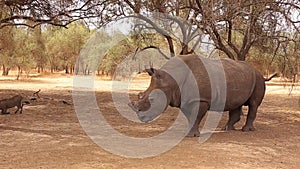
(229, 38)
(151, 47)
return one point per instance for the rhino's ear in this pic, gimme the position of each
(150, 71)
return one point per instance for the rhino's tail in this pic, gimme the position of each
(274, 75)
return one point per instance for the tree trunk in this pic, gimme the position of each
(71, 69)
(19, 73)
(5, 70)
(67, 69)
(40, 69)
(76, 70)
(185, 49)
(86, 70)
(241, 57)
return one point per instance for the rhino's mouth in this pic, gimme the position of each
(133, 108)
(157, 102)
(141, 117)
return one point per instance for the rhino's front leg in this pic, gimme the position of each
(195, 119)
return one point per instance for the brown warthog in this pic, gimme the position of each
(196, 85)
(15, 101)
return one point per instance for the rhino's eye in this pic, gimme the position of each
(140, 95)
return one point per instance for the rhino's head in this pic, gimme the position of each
(163, 91)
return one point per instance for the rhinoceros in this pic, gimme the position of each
(196, 84)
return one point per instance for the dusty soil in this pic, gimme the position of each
(48, 133)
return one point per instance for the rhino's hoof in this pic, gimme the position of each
(248, 128)
(194, 134)
(228, 128)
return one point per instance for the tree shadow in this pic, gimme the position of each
(34, 131)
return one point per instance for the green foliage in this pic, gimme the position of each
(63, 46)
(278, 55)
(17, 50)
(6, 47)
(58, 48)
(24, 45)
(119, 48)
(39, 53)
(93, 52)
(122, 47)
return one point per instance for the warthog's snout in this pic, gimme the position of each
(26, 102)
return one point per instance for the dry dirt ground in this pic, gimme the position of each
(48, 133)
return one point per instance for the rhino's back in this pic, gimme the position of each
(240, 80)
(225, 83)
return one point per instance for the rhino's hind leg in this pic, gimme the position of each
(250, 118)
(234, 117)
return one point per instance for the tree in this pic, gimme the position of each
(6, 49)
(93, 52)
(255, 20)
(22, 56)
(63, 46)
(233, 26)
(17, 46)
(288, 57)
(57, 13)
(39, 49)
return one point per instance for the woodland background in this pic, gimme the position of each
(47, 36)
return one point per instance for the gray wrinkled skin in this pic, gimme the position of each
(243, 86)
(153, 107)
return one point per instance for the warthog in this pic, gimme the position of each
(12, 102)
